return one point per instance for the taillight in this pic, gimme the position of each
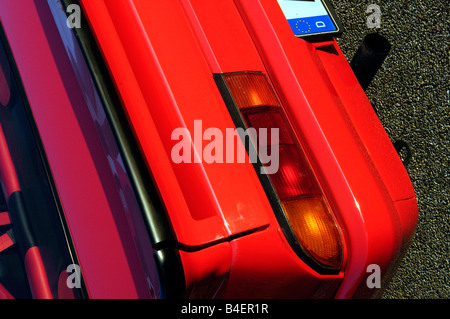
(295, 194)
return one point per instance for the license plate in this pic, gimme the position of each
(311, 18)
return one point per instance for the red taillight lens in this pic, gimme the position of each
(302, 202)
(294, 178)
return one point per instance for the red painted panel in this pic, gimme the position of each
(8, 177)
(36, 274)
(4, 294)
(173, 87)
(223, 35)
(255, 274)
(97, 237)
(335, 146)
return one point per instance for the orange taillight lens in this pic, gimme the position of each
(314, 227)
(250, 90)
(302, 202)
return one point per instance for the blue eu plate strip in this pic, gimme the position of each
(312, 25)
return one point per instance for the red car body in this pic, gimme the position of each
(214, 233)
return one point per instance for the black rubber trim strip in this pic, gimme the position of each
(266, 183)
(154, 212)
(402, 145)
(192, 249)
(23, 231)
(171, 274)
(44, 160)
(157, 220)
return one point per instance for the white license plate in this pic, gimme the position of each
(310, 18)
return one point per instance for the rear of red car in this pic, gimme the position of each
(217, 154)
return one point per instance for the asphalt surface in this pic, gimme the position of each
(411, 93)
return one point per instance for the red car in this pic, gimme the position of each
(191, 149)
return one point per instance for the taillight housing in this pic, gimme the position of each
(295, 195)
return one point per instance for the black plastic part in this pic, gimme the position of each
(369, 57)
(171, 274)
(20, 222)
(403, 151)
(147, 194)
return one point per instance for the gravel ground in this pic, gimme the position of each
(411, 93)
